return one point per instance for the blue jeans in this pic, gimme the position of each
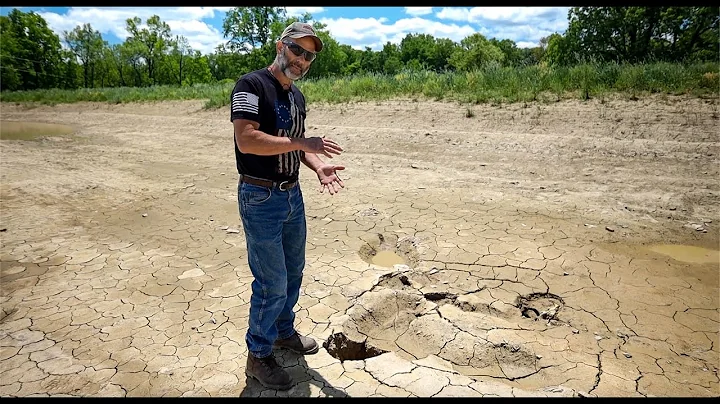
(275, 232)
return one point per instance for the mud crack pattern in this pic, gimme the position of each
(507, 254)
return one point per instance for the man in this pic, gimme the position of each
(268, 116)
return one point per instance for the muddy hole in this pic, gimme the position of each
(410, 325)
(544, 306)
(440, 297)
(17, 130)
(389, 250)
(387, 259)
(341, 347)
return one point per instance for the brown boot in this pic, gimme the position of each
(298, 344)
(268, 372)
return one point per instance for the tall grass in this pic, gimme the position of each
(491, 83)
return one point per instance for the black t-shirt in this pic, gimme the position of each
(258, 96)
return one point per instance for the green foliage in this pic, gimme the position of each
(150, 43)
(30, 51)
(512, 55)
(249, 27)
(474, 52)
(636, 49)
(392, 65)
(87, 46)
(642, 34)
(559, 50)
(489, 83)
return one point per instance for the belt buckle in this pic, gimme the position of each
(280, 186)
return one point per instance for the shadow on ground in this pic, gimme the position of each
(303, 377)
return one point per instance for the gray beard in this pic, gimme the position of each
(284, 66)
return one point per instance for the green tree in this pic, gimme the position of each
(87, 45)
(475, 51)
(419, 48)
(31, 52)
(131, 54)
(389, 58)
(423, 51)
(70, 70)
(225, 64)
(11, 65)
(528, 56)
(392, 65)
(640, 34)
(180, 53)
(688, 33)
(444, 49)
(611, 33)
(115, 55)
(509, 48)
(352, 61)
(560, 51)
(370, 61)
(197, 70)
(150, 42)
(250, 27)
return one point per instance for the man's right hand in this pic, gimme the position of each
(321, 145)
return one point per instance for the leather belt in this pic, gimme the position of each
(282, 185)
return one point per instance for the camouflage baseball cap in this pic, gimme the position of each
(299, 30)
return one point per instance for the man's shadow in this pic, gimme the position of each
(303, 377)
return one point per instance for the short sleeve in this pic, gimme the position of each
(245, 100)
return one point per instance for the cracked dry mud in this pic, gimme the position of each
(546, 250)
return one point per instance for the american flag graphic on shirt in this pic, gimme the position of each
(289, 124)
(245, 102)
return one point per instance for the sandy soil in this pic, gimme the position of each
(565, 248)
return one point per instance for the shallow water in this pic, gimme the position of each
(387, 259)
(18, 130)
(687, 253)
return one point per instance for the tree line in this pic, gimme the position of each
(32, 55)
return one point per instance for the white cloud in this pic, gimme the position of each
(455, 14)
(524, 25)
(503, 15)
(418, 11)
(200, 36)
(523, 44)
(186, 21)
(111, 20)
(299, 11)
(371, 45)
(375, 32)
(522, 33)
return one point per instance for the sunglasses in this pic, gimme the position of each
(298, 50)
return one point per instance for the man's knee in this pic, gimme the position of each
(275, 294)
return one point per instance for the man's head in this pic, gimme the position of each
(296, 50)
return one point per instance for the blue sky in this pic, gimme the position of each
(355, 26)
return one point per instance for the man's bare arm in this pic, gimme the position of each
(253, 141)
(312, 161)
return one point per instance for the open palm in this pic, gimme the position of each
(327, 174)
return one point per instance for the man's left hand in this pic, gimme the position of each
(327, 174)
